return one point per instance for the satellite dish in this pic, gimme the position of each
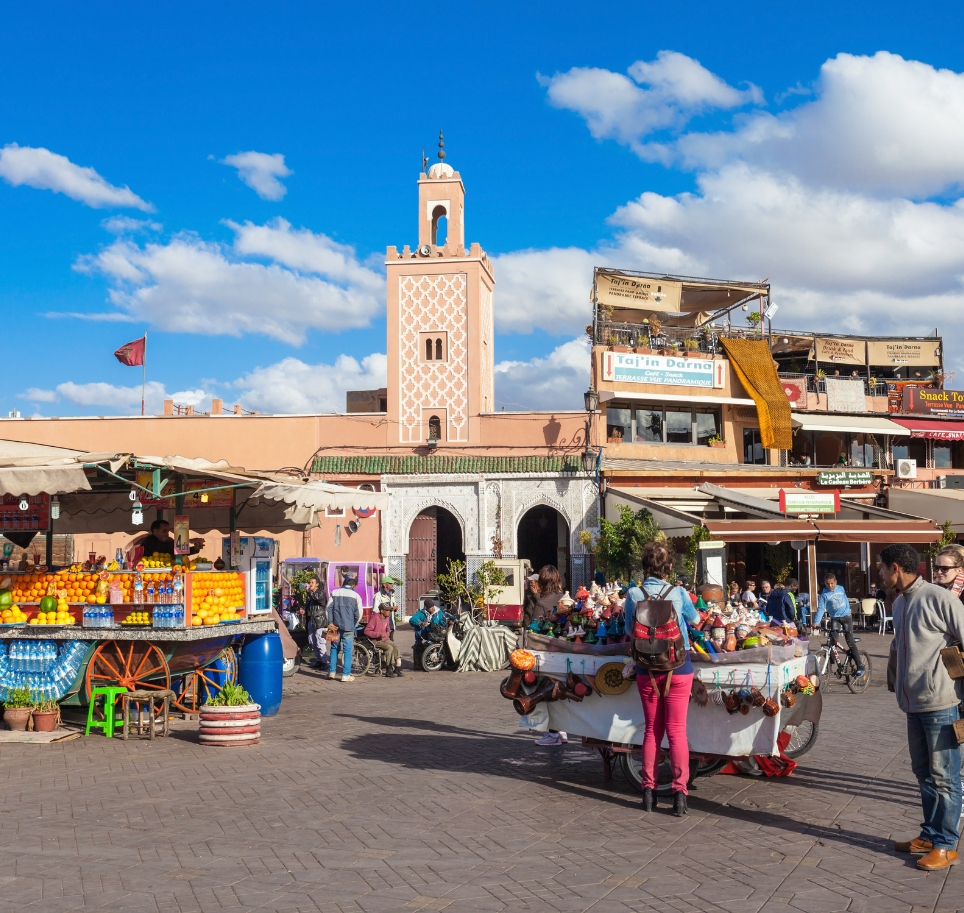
(425, 250)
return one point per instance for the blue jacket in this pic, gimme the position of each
(345, 609)
(422, 616)
(779, 605)
(834, 603)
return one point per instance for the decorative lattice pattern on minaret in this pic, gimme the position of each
(488, 355)
(429, 304)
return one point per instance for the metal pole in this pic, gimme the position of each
(144, 375)
(50, 542)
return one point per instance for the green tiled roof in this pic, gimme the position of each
(413, 465)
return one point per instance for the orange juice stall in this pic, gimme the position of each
(134, 622)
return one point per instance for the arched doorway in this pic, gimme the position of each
(434, 539)
(543, 538)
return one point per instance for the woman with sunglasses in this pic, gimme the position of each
(949, 569)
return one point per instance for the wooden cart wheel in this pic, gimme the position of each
(133, 664)
(197, 687)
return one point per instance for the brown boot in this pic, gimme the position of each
(937, 859)
(510, 686)
(916, 847)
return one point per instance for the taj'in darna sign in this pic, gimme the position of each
(618, 291)
(658, 369)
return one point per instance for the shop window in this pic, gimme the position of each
(949, 454)
(679, 425)
(659, 424)
(649, 426)
(911, 449)
(707, 425)
(753, 450)
(836, 448)
(619, 427)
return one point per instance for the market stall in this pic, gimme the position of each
(164, 623)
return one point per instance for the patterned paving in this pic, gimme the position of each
(420, 795)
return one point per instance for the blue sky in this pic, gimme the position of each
(579, 143)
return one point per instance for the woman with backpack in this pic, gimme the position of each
(664, 672)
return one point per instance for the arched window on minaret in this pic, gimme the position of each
(439, 356)
(435, 428)
(428, 349)
(439, 226)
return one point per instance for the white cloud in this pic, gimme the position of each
(106, 316)
(46, 170)
(118, 399)
(556, 381)
(37, 395)
(260, 171)
(616, 107)
(125, 225)
(193, 286)
(829, 201)
(291, 386)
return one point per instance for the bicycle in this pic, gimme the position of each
(834, 657)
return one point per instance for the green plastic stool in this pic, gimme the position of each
(110, 695)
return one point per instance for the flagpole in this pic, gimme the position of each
(144, 376)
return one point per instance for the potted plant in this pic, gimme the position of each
(17, 708)
(46, 716)
(754, 319)
(230, 718)
(691, 346)
(716, 441)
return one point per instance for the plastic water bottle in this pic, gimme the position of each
(150, 590)
(169, 593)
(138, 589)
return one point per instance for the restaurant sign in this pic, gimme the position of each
(809, 502)
(904, 352)
(666, 370)
(841, 351)
(845, 478)
(619, 291)
(929, 400)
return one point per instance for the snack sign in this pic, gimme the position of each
(809, 502)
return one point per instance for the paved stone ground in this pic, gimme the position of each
(421, 795)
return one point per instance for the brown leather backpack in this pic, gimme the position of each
(658, 644)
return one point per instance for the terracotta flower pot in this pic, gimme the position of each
(621, 349)
(45, 720)
(17, 718)
(230, 727)
(718, 444)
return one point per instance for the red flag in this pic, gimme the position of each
(132, 353)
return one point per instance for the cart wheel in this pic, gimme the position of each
(290, 666)
(632, 763)
(197, 687)
(135, 665)
(802, 738)
(433, 658)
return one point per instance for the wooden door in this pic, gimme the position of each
(420, 566)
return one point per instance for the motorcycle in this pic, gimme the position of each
(441, 645)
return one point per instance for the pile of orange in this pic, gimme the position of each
(12, 616)
(216, 597)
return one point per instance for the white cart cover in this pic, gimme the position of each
(710, 729)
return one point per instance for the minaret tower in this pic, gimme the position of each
(440, 324)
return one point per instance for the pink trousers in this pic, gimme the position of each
(665, 715)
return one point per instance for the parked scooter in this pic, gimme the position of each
(442, 645)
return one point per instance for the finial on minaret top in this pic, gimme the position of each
(440, 169)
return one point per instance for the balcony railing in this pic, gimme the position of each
(817, 384)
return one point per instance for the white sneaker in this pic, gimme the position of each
(549, 740)
(332, 675)
(563, 737)
(348, 678)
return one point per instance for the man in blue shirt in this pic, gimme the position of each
(833, 601)
(430, 613)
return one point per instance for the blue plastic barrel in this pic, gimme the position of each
(260, 671)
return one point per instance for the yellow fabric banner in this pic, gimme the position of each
(753, 363)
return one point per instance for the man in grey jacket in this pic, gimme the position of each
(345, 611)
(927, 618)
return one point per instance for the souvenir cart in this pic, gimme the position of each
(754, 681)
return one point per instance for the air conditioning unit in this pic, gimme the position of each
(907, 469)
